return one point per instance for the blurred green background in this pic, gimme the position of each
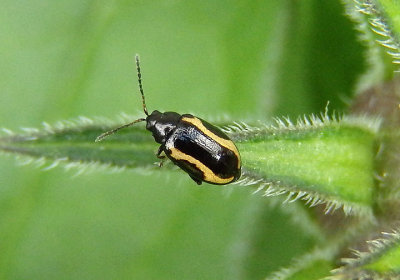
(247, 59)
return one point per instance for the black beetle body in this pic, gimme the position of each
(197, 147)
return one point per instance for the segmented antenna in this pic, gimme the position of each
(108, 133)
(137, 58)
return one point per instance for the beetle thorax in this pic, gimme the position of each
(162, 124)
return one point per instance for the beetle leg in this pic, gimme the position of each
(160, 150)
(162, 157)
(196, 180)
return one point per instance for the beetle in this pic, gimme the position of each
(199, 148)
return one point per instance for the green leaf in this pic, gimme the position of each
(378, 22)
(74, 143)
(391, 11)
(313, 266)
(320, 159)
(316, 160)
(382, 260)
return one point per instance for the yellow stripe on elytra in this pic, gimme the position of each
(209, 176)
(223, 142)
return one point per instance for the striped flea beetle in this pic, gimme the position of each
(197, 147)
